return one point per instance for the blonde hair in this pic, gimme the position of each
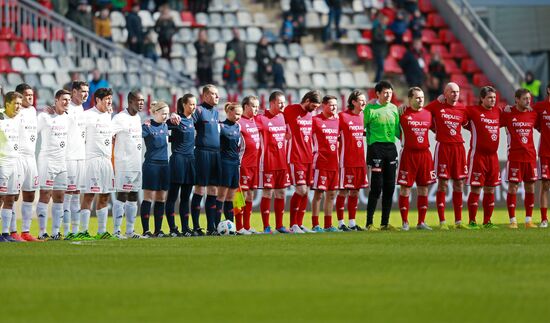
(230, 106)
(157, 106)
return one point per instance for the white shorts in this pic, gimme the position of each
(76, 175)
(52, 175)
(29, 174)
(128, 181)
(9, 180)
(99, 176)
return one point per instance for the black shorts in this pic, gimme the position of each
(381, 155)
(182, 169)
(156, 176)
(207, 167)
(230, 175)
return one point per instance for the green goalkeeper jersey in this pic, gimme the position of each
(381, 122)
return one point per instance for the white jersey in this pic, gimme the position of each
(9, 141)
(99, 136)
(52, 129)
(27, 132)
(76, 148)
(128, 143)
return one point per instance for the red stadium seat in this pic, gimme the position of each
(58, 33)
(21, 49)
(5, 66)
(461, 80)
(450, 66)
(479, 80)
(397, 51)
(390, 13)
(367, 34)
(389, 35)
(187, 18)
(467, 96)
(42, 33)
(468, 65)
(364, 52)
(447, 36)
(7, 33)
(425, 6)
(435, 21)
(27, 32)
(407, 36)
(391, 66)
(5, 49)
(441, 49)
(458, 50)
(430, 37)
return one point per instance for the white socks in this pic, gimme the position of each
(42, 214)
(131, 213)
(6, 220)
(26, 215)
(57, 213)
(102, 220)
(67, 214)
(84, 219)
(352, 223)
(75, 212)
(118, 213)
(13, 222)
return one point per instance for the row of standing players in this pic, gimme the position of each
(281, 146)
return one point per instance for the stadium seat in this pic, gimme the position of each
(117, 19)
(364, 52)
(216, 20)
(333, 82)
(367, 34)
(391, 66)
(253, 34)
(213, 35)
(57, 48)
(321, 7)
(48, 80)
(306, 65)
(441, 49)
(178, 50)
(425, 6)
(32, 79)
(361, 78)
(244, 19)
(42, 33)
(430, 37)
(461, 80)
(362, 21)
(447, 36)
(62, 77)
(191, 64)
(103, 64)
(397, 51)
(319, 80)
(294, 50)
(458, 50)
(304, 80)
(291, 80)
(5, 66)
(320, 63)
(450, 66)
(202, 19)
(468, 65)
(7, 33)
(336, 64)
(18, 64)
(312, 20)
(434, 20)
(260, 19)
(67, 62)
(5, 49)
(346, 80)
(51, 64)
(479, 80)
(388, 12)
(230, 19)
(187, 19)
(27, 31)
(14, 79)
(146, 19)
(281, 50)
(407, 36)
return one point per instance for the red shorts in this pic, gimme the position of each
(450, 161)
(301, 174)
(483, 170)
(325, 180)
(517, 172)
(353, 178)
(416, 166)
(249, 178)
(274, 179)
(544, 168)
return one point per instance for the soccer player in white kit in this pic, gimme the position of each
(9, 161)
(76, 155)
(128, 160)
(52, 167)
(100, 178)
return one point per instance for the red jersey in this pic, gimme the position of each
(272, 129)
(250, 139)
(415, 126)
(299, 126)
(520, 127)
(448, 121)
(352, 138)
(485, 127)
(325, 142)
(543, 111)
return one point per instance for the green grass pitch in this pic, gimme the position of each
(456, 276)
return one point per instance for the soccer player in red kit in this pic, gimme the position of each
(250, 138)
(273, 169)
(450, 156)
(483, 165)
(543, 110)
(325, 130)
(520, 122)
(416, 163)
(353, 170)
(299, 155)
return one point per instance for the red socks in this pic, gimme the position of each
(511, 204)
(265, 204)
(457, 206)
(328, 221)
(247, 212)
(488, 206)
(314, 220)
(404, 208)
(238, 218)
(279, 206)
(473, 203)
(543, 214)
(440, 201)
(295, 201)
(352, 206)
(529, 203)
(422, 204)
(302, 211)
(340, 201)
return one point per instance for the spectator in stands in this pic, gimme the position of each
(232, 74)
(118, 5)
(75, 76)
(533, 85)
(334, 15)
(399, 26)
(135, 29)
(165, 29)
(279, 81)
(102, 24)
(409, 5)
(205, 60)
(417, 24)
(81, 13)
(287, 29)
(97, 82)
(150, 47)
(413, 64)
(298, 11)
(379, 44)
(239, 47)
(263, 61)
(61, 7)
(196, 6)
(436, 77)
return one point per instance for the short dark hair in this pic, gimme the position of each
(273, 96)
(327, 98)
(12, 95)
(133, 95)
(248, 99)
(77, 85)
(382, 85)
(313, 97)
(22, 88)
(61, 92)
(353, 96)
(484, 91)
(102, 93)
(411, 91)
(521, 92)
(182, 102)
